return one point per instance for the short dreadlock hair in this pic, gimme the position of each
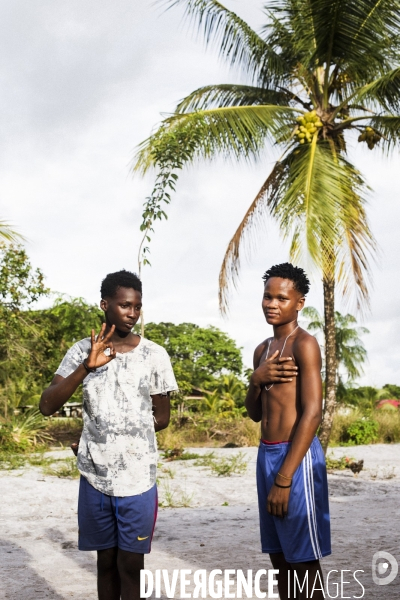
(287, 271)
(113, 281)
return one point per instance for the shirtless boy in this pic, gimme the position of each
(291, 472)
(126, 383)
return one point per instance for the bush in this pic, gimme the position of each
(209, 431)
(388, 428)
(22, 433)
(363, 431)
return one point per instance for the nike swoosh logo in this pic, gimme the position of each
(141, 539)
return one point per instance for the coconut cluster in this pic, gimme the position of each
(370, 137)
(309, 123)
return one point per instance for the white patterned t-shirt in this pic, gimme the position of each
(118, 449)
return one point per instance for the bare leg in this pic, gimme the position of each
(108, 580)
(129, 566)
(314, 577)
(279, 562)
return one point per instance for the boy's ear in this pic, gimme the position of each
(300, 304)
(103, 305)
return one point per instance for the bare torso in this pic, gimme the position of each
(281, 403)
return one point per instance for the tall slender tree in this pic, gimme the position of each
(319, 73)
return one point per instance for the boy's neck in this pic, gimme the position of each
(282, 331)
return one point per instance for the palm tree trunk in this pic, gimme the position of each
(330, 362)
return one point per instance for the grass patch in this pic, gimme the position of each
(179, 454)
(223, 467)
(10, 462)
(209, 432)
(64, 468)
(174, 498)
(233, 465)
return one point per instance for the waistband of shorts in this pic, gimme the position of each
(274, 446)
(284, 445)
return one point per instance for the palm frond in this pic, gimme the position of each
(237, 41)
(357, 35)
(252, 222)
(315, 197)
(389, 127)
(238, 132)
(356, 242)
(224, 95)
(382, 92)
(9, 234)
(291, 30)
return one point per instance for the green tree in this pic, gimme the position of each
(350, 350)
(319, 74)
(198, 354)
(20, 338)
(393, 391)
(67, 321)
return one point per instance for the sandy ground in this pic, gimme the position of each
(219, 530)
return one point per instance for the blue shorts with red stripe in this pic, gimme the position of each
(109, 521)
(304, 533)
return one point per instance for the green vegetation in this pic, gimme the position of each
(22, 433)
(362, 431)
(350, 350)
(387, 431)
(61, 468)
(209, 410)
(232, 465)
(202, 357)
(336, 464)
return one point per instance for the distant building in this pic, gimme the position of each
(386, 404)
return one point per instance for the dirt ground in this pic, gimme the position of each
(218, 530)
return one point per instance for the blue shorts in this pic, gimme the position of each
(304, 533)
(110, 522)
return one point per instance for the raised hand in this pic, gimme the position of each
(96, 357)
(275, 370)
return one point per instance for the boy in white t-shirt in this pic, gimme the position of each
(126, 383)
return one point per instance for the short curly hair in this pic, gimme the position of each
(288, 271)
(113, 281)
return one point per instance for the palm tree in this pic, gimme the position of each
(320, 73)
(350, 350)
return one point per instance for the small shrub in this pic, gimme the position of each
(179, 454)
(176, 498)
(223, 467)
(23, 432)
(64, 469)
(337, 464)
(362, 431)
(388, 426)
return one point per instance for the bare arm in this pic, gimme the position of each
(61, 388)
(272, 370)
(308, 357)
(60, 391)
(161, 411)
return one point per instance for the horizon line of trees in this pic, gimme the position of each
(33, 342)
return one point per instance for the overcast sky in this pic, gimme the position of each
(82, 83)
